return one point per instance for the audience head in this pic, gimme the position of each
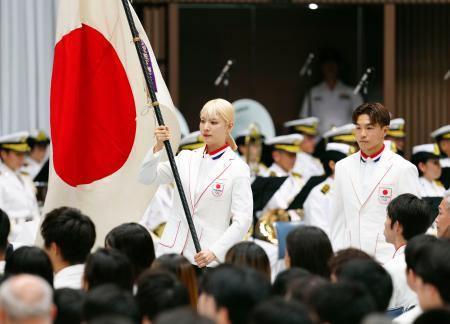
(229, 293)
(301, 290)
(179, 266)
(135, 242)
(443, 218)
(341, 257)
(407, 216)
(285, 278)
(68, 236)
(31, 260)
(309, 247)
(69, 303)
(159, 291)
(26, 298)
(439, 315)
(108, 266)
(342, 303)
(415, 250)
(369, 274)
(5, 227)
(110, 300)
(183, 315)
(249, 254)
(433, 272)
(280, 311)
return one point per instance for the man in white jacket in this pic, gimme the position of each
(365, 183)
(407, 217)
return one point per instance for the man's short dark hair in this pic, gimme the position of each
(439, 315)
(135, 242)
(69, 303)
(30, 260)
(185, 315)
(341, 257)
(72, 231)
(108, 266)
(310, 248)
(434, 268)
(159, 291)
(369, 274)
(342, 303)
(285, 278)
(279, 310)
(377, 113)
(236, 289)
(416, 248)
(5, 227)
(110, 300)
(412, 213)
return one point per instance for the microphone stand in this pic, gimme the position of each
(363, 84)
(224, 78)
(306, 72)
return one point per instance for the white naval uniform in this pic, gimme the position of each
(362, 193)
(219, 196)
(402, 295)
(445, 165)
(430, 188)
(159, 208)
(18, 200)
(287, 191)
(317, 206)
(332, 107)
(308, 166)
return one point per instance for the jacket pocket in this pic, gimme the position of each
(170, 233)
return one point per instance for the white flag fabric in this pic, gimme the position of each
(101, 123)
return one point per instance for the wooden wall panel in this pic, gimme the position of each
(422, 96)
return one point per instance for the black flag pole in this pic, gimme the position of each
(148, 78)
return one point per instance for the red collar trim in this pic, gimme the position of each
(373, 156)
(218, 150)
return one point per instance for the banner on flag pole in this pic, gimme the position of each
(101, 119)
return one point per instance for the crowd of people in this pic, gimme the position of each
(368, 239)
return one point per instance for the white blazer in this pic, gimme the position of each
(358, 219)
(221, 210)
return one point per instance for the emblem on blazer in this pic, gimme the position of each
(384, 195)
(217, 189)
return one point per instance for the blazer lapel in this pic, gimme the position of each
(224, 163)
(354, 178)
(194, 167)
(385, 164)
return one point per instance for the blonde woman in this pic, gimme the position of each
(217, 187)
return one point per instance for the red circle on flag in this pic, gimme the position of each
(92, 109)
(385, 192)
(218, 186)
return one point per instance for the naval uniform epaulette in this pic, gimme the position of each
(296, 175)
(273, 174)
(439, 184)
(325, 189)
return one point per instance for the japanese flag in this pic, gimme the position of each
(101, 121)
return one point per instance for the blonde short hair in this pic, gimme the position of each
(223, 109)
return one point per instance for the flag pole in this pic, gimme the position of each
(148, 78)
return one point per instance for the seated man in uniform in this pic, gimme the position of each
(318, 203)
(426, 158)
(36, 158)
(17, 191)
(442, 137)
(284, 152)
(306, 164)
(396, 134)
